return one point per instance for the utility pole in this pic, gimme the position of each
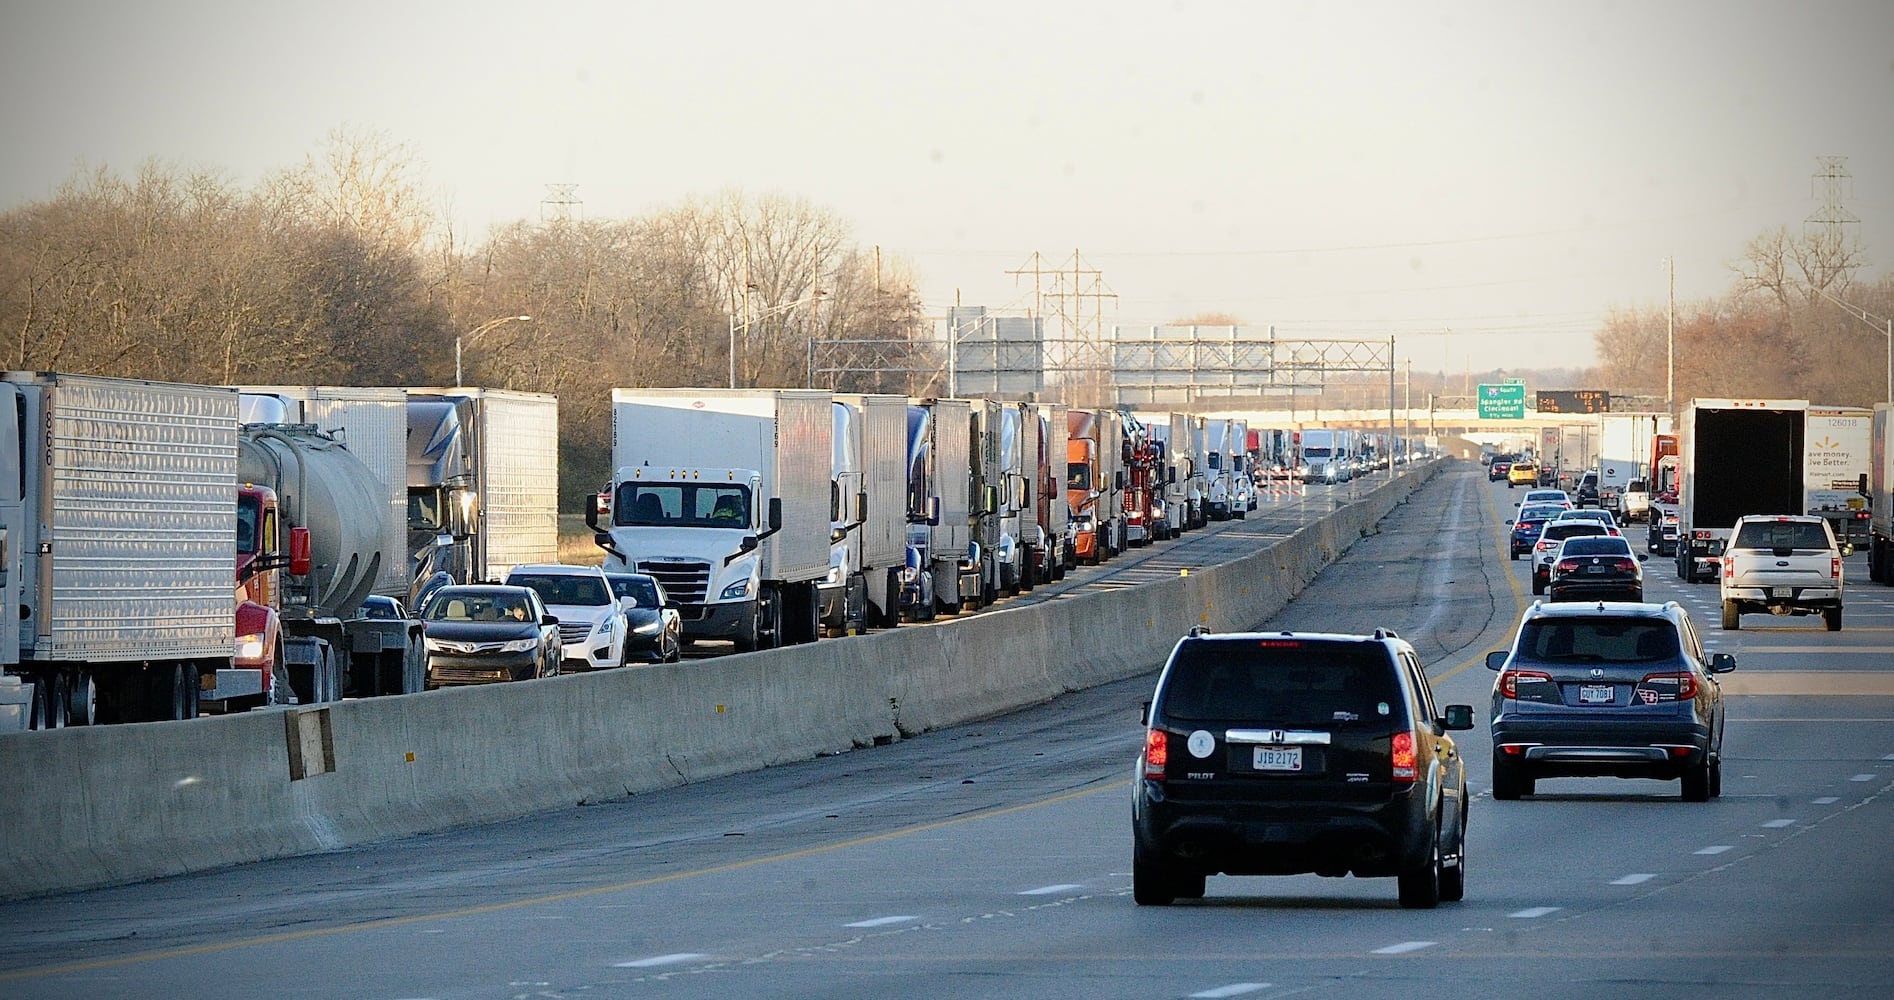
(1670, 340)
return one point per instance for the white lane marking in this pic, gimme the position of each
(1232, 990)
(1715, 849)
(1536, 911)
(1404, 947)
(1633, 879)
(883, 921)
(1777, 824)
(1047, 890)
(1862, 777)
(1827, 800)
(1889, 757)
(657, 960)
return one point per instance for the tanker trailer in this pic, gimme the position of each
(328, 649)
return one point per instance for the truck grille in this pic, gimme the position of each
(684, 582)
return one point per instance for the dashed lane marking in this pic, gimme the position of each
(1714, 849)
(883, 921)
(1404, 947)
(657, 960)
(1827, 800)
(1638, 879)
(1862, 777)
(1530, 913)
(1047, 890)
(1777, 824)
(1232, 990)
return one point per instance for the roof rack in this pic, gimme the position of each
(1197, 630)
(1386, 633)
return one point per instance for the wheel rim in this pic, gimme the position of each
(82, 701)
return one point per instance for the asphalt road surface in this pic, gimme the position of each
(993, 860)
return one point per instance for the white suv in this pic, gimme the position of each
(591, 619)
(1783, 564)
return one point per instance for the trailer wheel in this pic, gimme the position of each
(49, 701)
(82, 702)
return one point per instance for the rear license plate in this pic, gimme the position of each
(1781, 591)
(1595, 694)
(1276, 758)
(1596, 569)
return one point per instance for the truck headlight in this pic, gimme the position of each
(835, 574)
(249, 647)
(736, 591)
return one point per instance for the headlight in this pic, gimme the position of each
(606, 627)
(910, 574)
(518, 645)
(435, 645)
(1087, 524)
(650, 628)
(835, 574)
(249, 647)
(737, 591)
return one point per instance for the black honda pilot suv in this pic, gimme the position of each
(1284, 753)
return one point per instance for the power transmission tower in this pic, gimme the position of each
(1084, 356)
(1835, 247)
(561, 203)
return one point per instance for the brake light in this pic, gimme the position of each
(1509, 680)
(1834, 567)
(1625, 565)
(1566, 566)
(1546, 546)
(1402, 756)
(1157, 753)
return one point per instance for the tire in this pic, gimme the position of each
(1833, 617)
(1419, 880)
(82, 701)
(1152, 882)
(1189, 886)
(1877, 572)
(1453, 881)
(1514, 556)
(1732, 618)
(1510, 781)
(1537, 586)
(1716, 777)
(1696, 783)
(749, 636)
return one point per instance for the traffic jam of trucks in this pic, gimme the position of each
(333, 514)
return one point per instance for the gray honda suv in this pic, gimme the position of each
(1284, 753)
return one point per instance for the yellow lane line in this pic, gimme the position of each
(473, 911)
(1512, 580)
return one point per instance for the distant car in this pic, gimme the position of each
(591, 625)
(1586, 493)
(1522, 474)
(1546, 549)
(1598, 514)
(1526, 528)
(480, 634)
(380, 608)
(1784, 564)
(1496, 472)
(1283, 753)
(656, 628)
(1596, 568)
(1556, 497)
(1618, 690)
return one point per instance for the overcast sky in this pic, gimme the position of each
(1510, 171)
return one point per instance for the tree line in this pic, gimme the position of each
(338, 272)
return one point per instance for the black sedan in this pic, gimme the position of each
(1609, 689)
(655, 629)
(1597, 567)
(483, 634)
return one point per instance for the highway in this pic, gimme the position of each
(993, 860)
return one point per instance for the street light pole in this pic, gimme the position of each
(475, 334)
(1867, 317)
(767, 313)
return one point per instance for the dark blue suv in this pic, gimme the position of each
(1608, 689)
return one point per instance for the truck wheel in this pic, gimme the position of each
(1732, 618)
(49, 702)
(82, 702)
(1833, 617)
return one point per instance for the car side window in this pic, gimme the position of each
(1691, 642)
(1423, 695)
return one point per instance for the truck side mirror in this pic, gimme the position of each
(861, 506)
(933, 511)
(1120, 480)
(989, 499)
(299, 552)
(775, 513)
(593, 505)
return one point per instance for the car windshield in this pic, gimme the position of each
(1596, 545)
(566, 590)
(1280, 682)
(1598, 640)
(464, 606)
(641, 589)
(1782, 535)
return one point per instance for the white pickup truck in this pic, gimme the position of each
(1634, 504)
(1782, 564)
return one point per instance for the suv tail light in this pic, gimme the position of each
(1157, 753)
(1686, 683)
(1401, 755)
(1509, 680)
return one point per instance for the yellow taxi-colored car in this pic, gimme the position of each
(1522, 474)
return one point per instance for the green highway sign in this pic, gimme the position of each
(1502, 402)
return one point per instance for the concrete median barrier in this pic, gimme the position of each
(102, 805)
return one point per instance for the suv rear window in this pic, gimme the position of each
(1782, 535)
(1598, 640)
(1285, 682)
